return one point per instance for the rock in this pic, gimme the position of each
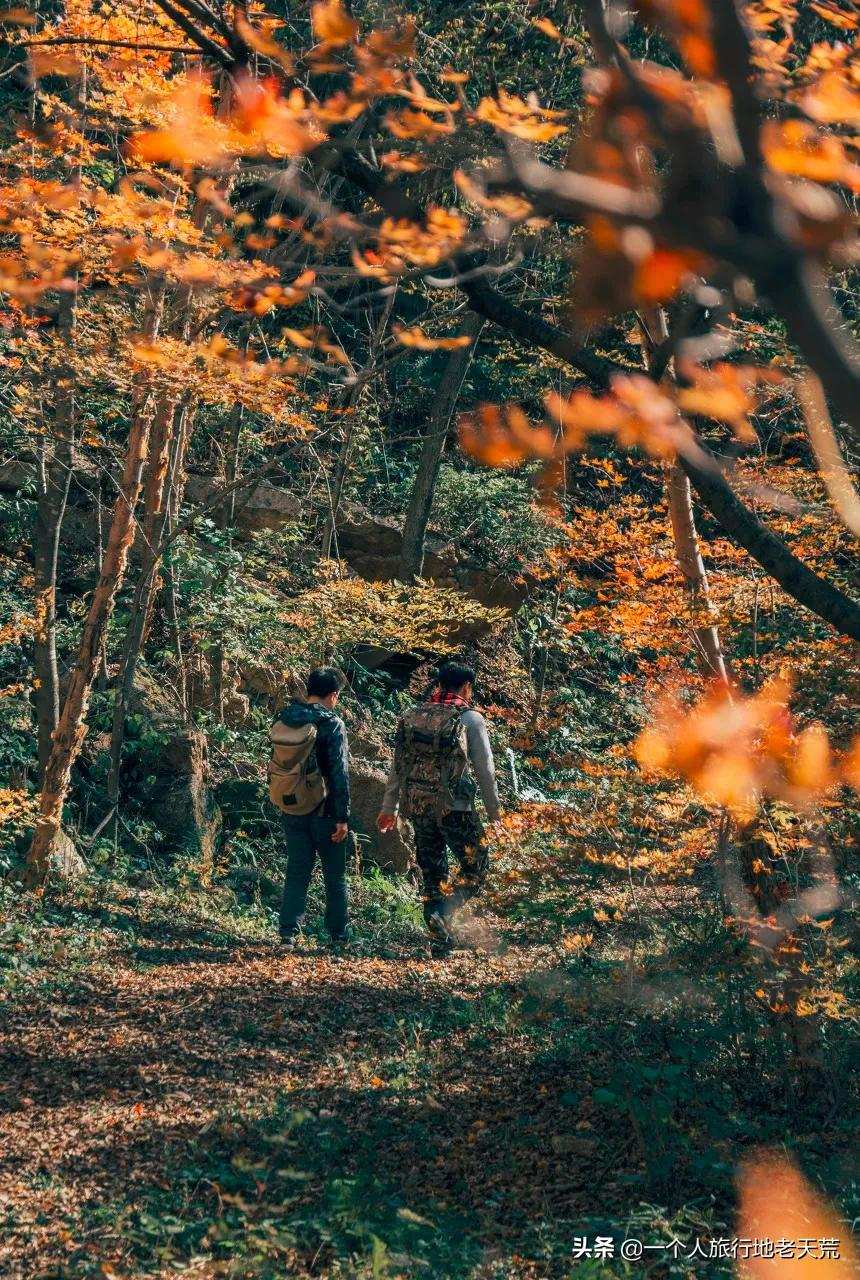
(265, 506)
(182, 803)
(492, 587)
(393, 852)
(15, 475)
(275, 686)
(371, 548)
(234, 705)
(66, 862)
(245, 806)
(178, 790)
(250, 882)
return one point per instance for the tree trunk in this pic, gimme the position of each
(54, 482)
(144, 595)
(709, 652)
(71, 729)
(350, 403)
(224, 517)
(688, 553)
(432, 449)
(176, 489)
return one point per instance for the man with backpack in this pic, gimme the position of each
(309, 783)
(442, 758)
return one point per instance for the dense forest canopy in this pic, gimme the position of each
(518, 332)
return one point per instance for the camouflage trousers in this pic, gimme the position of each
(463, 835)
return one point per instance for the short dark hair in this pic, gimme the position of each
(453, 675)
(323, 681)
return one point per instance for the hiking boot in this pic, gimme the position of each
(344, 939)
(442, 941)
(289, 942)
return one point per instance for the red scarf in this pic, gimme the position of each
(450, 699)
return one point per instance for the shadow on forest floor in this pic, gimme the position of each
(186, 1098)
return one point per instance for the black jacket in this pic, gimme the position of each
(332, 752)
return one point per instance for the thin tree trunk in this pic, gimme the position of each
(350, 403)
(144, 595)
(432, 448)
(71, 728)
(339, 476)
(688, 552)
(709, 652)
(54, 482)
(224, 517)
(174, 503)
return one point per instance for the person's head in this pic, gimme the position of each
(324, 685)
(456, 677)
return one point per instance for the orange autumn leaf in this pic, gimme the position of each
(263, 43)
(17, 17)
(297, 338)
(851, 766)
(778, 1203)
(332, 24)
(53, 64)
(503, 436)
(411, 124)
(660, 275)
(733, 750)
(548, 28)
(400, 163)
(416, 337)
(835, 16)
(270, 121)
(798, 150)
(526, 120)
(193, 137)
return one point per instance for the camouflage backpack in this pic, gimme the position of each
(431, 755)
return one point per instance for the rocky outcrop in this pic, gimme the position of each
(178, 785)
(234, 703)
(393, 852)
(371, 547)
(270, 684)
(66, 863)
(261, 506)
(183, 806)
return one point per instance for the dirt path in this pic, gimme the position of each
(180, 1085)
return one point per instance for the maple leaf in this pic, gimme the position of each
(263, 43)
(511, 114)
(18, 17)
(193, 137)
(548, 28)
(53, 64)
(416, 337)
(835, 16)
(412, 124)
(332, 24)
(777, 1203)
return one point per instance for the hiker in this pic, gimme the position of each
(309, 783)
(441, 751)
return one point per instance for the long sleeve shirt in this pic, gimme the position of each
(481, 766)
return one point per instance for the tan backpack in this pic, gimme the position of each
(296, 785)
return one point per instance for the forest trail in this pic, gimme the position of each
(183, 1079)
